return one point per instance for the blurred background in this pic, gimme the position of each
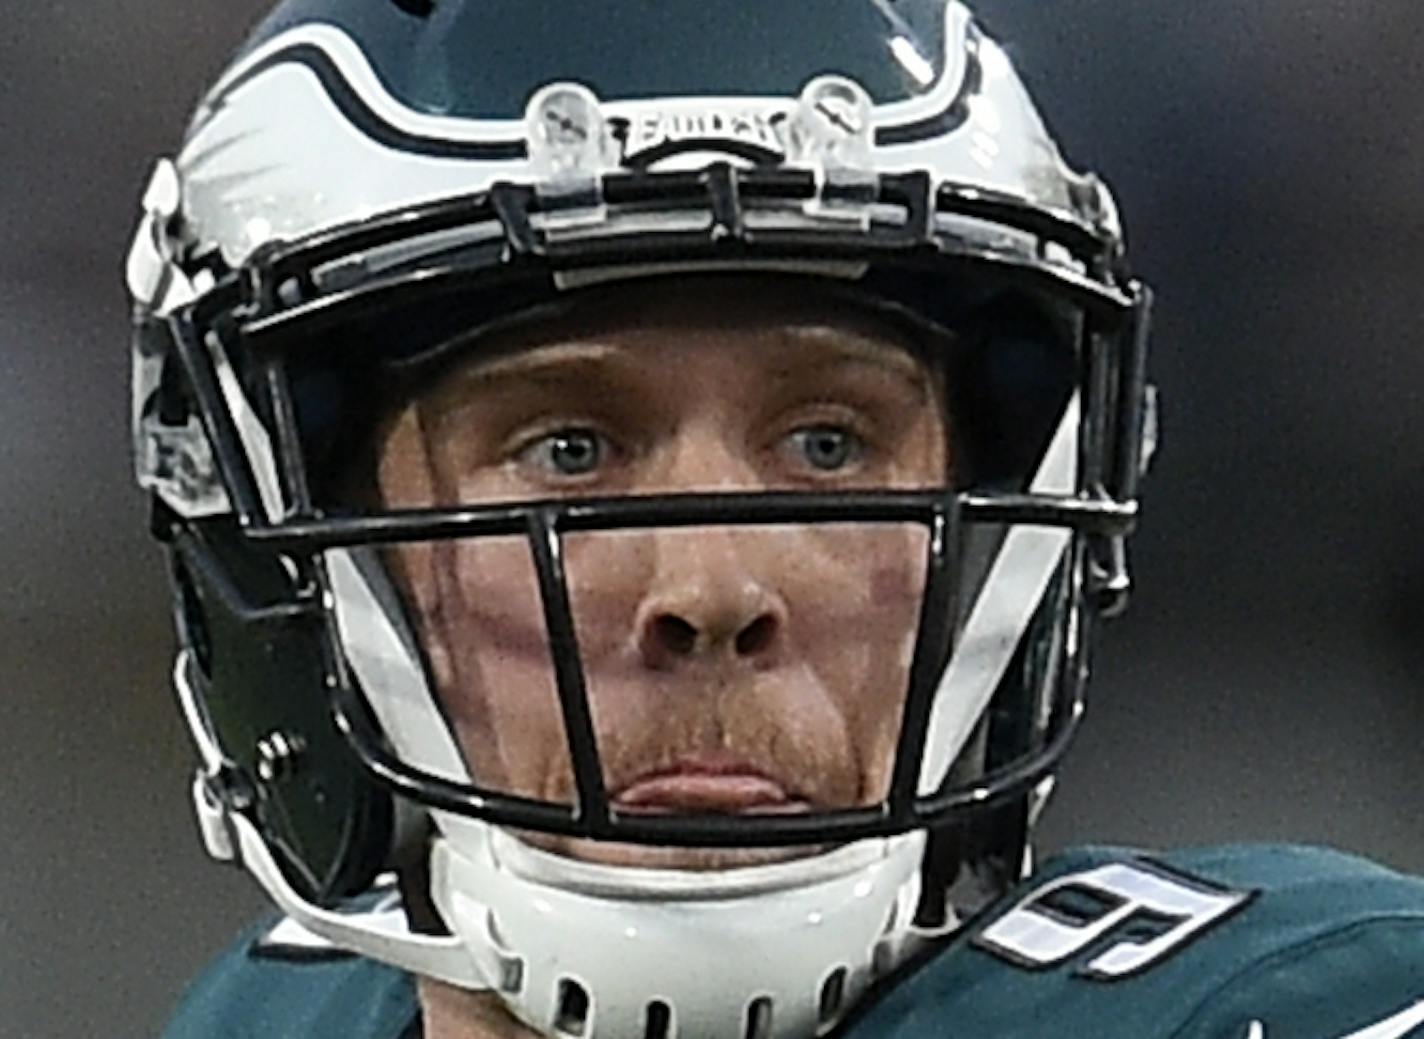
(1268, 683)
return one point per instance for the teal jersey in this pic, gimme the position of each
(1248, 942)
(265, 987)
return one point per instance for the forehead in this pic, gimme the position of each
(778, 328)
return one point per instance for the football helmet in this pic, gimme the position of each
(372, 180)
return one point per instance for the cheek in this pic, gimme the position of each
(854, 610)
(481, 621)
(609, 574)
(857, 589)
(478, 613)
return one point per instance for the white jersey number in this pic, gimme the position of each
(1066, 916)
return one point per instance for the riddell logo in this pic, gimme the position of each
(746, 133)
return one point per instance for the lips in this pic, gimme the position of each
(707, 786)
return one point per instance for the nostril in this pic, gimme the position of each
(756, 636)
(675, 634)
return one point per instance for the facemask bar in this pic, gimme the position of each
(1118, 438)
(286, 295)
(280, 292)
(722, 214)
(545, 526)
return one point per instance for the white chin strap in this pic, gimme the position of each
(616, 952)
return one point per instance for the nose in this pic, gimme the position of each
(706, 604)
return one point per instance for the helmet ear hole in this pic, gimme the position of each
(419, 8)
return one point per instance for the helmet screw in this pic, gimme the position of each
(278, 754)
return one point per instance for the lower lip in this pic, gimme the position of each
(705, 792)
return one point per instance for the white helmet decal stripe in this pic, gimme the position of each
(1012, 592)
(356, 70)
(256, 442)
(382, 652)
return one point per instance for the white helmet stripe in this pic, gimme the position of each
(1011, 594)
(382, 652)
(256, 443)
(355, 68)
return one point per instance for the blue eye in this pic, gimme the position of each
(828, 448)
(568, 452)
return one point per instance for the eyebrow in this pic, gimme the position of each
(550, 359)
(829, 348)
(835, 348)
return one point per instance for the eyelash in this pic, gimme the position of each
(850, 417)
(522, 446)
(813, 417)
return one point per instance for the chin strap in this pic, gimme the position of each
(383, 934)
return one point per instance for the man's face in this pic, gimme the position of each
(729, 669)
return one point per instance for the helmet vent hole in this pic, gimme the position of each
(659, 1021)
(759, 1018)
(832, 996)
(572, 1017)
(882, 960)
